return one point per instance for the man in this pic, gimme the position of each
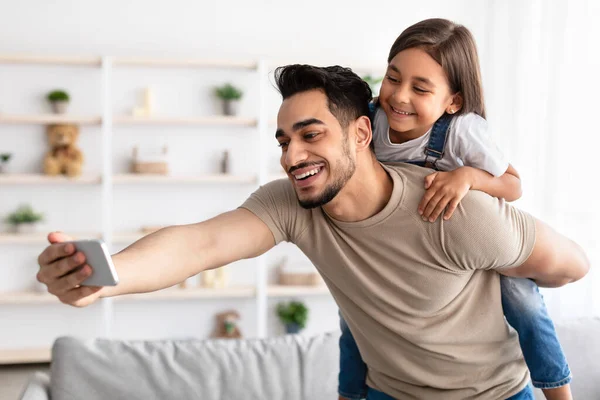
(420, 298)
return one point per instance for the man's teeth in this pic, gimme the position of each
(304, 175)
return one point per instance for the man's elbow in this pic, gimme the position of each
(581, 265)
(516, 192)
(577, 266)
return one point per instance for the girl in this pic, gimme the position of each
(430, 112)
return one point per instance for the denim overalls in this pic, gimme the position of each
(523, 306)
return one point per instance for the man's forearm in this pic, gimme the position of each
(159, 260)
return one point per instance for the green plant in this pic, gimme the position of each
(58, 95)
(294, 312)
(4, 157)
(24, 214)
(228, 92)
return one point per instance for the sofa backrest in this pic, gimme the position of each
(289, 367)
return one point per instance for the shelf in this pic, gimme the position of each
(192, 293)
(27, 297)
(184, 63)
(71, 61)
(38, 237)
(174, 293)
(35, 179)
(149, 178)
(47, 119)
(25, 356)
(290, 291)
(164, 120)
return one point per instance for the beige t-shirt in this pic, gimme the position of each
(425, 313)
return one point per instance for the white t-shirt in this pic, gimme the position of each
(468, 144)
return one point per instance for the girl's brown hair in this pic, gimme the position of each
(453, 47)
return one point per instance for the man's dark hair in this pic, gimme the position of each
(347, 94)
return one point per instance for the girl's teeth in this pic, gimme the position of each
(401, 112)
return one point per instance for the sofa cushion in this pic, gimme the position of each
(288, 367)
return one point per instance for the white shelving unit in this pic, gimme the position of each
(39, 179)
(216, 178)
(259, 126)
(39, 238)
(195, 121)
(46, 119)
(175, 293)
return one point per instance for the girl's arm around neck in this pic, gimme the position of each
(507, 186)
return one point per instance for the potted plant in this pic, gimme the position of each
(230, 96)
(293, 315)
(59, 99)
(373, 83)
(24, 219)
(4, 159)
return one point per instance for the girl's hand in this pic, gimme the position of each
(444, 189)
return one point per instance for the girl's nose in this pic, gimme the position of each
(402, 94)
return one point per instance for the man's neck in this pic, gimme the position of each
(364, 195)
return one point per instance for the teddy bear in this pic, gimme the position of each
(64, 156)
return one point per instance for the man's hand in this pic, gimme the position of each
(62, 270)
(444, 189)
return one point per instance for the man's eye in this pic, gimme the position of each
(282, 144)
(311, 135)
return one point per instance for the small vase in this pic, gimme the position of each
(230, 107)
(60, 107)
(26, 228)
(292, 329)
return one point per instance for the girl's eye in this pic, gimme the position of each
(282, 144)
(418, 89)
(392, 79)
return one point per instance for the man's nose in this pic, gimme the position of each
(295, 154)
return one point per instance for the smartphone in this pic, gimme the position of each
(97, 257)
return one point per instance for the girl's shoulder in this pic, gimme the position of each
(469, 123)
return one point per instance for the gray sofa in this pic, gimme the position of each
(287, 367)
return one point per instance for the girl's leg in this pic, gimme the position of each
(526, 312)
(352, 379)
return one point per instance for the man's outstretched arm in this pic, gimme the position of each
(159, 260)
(554, 261)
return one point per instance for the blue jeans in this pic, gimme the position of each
(525, 311)
(525, 394)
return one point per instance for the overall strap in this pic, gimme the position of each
(437, 141)
(373, 107)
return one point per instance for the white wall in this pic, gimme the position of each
(320, 32)
(314, 32)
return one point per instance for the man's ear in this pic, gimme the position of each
(364, 133)
(456, 105)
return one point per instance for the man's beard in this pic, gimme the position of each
(334, 188)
